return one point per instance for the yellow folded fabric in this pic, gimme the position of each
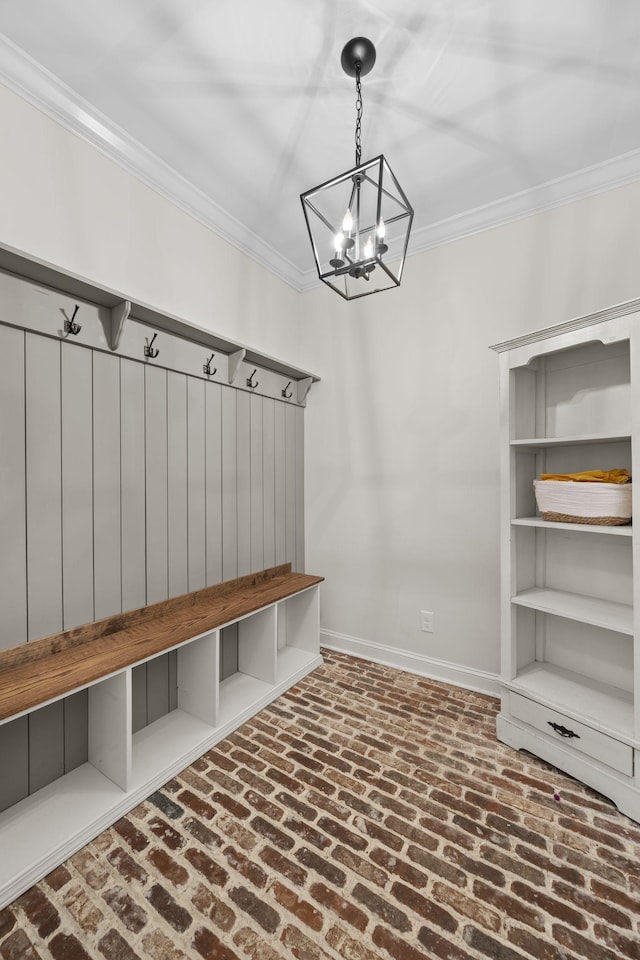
(591, 476)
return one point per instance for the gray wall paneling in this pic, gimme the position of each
(228, 651)
(14, 761)
(280, 481)
(13, 555)
(172, 677)
(290, 484)
(257, 503)
(76, 729)
(44, 486)
(132, 494)
(156, 473)
(196, 499)
(126, 484)
(243, 481)
(229, 486)
(157, 687)
(269, 481)
(139, 697)
(106, 485)
(133, 512)
(77, 486)
(213, 482)
(299, 564)
(177, 483)
(46, 745)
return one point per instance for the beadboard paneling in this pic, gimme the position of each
(125, 483)
(13, 517)
(77, 486)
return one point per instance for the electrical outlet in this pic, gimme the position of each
(426, 621)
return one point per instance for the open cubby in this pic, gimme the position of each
(120, 762)
(296, 617)
(577, 390)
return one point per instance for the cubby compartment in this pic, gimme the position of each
(585, 389)
(189, 724)
(599, 661)
(256, 666)
(530, 460)
(296, 643)
(154, 689)
(39, 748)
(560, 558)
(86, 788)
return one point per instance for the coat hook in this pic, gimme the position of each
(70, 326)
(250, 382)
(286, 395)
(148, 350)
(207, 367)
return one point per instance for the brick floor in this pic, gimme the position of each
(366, 814)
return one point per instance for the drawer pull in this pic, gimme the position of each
(563, 731)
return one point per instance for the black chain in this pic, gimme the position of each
(358, 113)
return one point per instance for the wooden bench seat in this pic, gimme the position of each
(44, 670)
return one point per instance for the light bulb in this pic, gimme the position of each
(347, 223)
(368, 248)
(339, 242)
(381, 247)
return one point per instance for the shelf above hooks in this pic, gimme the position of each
(118, 315)
(235, 359)
(304, 386)
(115, 310)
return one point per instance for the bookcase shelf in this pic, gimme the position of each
(570, 592)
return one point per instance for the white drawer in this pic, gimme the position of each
(574, 735)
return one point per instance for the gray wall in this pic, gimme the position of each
(123, 484)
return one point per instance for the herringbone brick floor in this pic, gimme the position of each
(368, 814)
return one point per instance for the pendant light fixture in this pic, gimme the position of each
(359, 222)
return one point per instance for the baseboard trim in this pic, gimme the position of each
(467, 677)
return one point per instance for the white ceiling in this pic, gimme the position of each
(485, 109)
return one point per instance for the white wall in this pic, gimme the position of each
(402, 433)
(64, 202)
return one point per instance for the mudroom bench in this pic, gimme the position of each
(276, 614)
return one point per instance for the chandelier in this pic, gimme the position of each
(359, 222)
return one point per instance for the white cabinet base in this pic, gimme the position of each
(43, 830)
(618, 788)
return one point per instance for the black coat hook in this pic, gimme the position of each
(286, 395)
(250, 382)
(148, 350)
(70, 326)
(207, 367)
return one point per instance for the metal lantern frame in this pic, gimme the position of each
(347, 274)
(362, 215)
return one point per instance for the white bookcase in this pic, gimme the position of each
(278, 644)
(570, 594)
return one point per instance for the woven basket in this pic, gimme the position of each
(566, 501)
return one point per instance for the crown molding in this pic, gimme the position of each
(31, 81)
(24, 76)
(588, 182)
